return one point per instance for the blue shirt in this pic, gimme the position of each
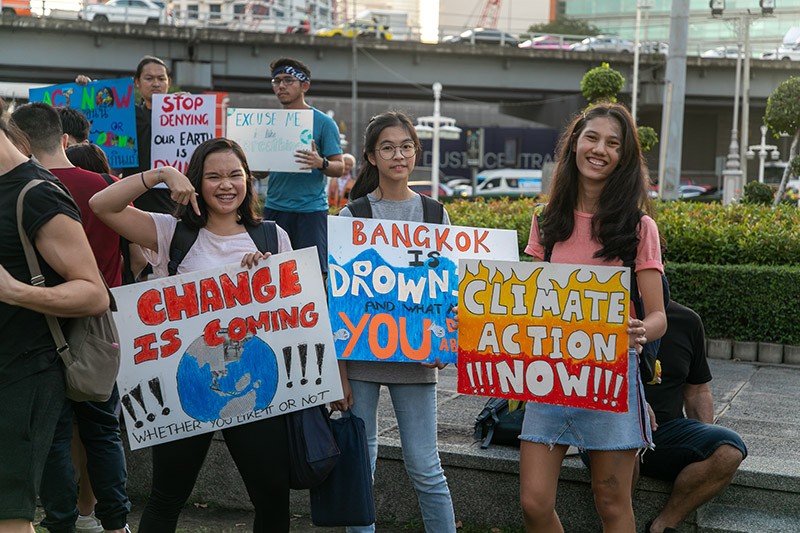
(303, 192)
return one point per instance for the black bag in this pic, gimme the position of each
(345, 498)
(432, 210)
(496, 424)
(312, 448)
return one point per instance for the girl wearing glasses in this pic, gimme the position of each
(390, 149)
(595, 216)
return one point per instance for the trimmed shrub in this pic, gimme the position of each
(754, 303)
(602, 84)
(758, 193)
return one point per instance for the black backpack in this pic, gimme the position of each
(648, 359)
(497, 424)
(432, 211)
(265, 235)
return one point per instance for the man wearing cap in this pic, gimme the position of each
(298, 201)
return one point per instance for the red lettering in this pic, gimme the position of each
(425, 243)
(288, 319)
(146, 307)
(289, 281)
(379, 232)
(479, 241)
(263, 291)
(181, 304)
(167, 106)
(308, 317)
(465, 246)
(123, 101)
(56, 94)
(358, 236)
(441, 236)
(236, 293)
(237, 329)
(210, 333)
(147, 353)
(173, 342)
(402, 237)
(210, 297)
(254, 325)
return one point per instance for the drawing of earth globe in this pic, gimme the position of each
(230, 379)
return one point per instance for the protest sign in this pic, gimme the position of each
(223, 347)
(392, 284)
(270, 137)
(180, 122)
(109, 106)
(543, 332)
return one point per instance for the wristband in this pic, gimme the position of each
(141, 174)
(158, 176)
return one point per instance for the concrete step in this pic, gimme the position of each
(716, 518)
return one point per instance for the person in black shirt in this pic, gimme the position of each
(699, 457)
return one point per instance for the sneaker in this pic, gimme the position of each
(88, 524)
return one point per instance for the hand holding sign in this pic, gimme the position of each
(310, 159)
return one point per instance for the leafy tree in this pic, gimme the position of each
(783, 116)
(648, 137)
(566, 25)
(602, 84)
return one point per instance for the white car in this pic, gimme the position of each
(722, 52)
(130, 11)
(603, 43)
(785, 52)
(505, 182)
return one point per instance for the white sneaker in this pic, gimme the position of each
(88, 524)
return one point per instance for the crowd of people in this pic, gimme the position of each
(83, 219)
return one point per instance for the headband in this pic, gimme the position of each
(297, 73)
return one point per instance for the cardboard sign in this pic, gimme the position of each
(109, 106)
(180, 123)
(270, 137)
(223, 347)
(543, 332)
(392, 284)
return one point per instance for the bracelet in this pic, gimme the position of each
(158, 176)
(141, 174)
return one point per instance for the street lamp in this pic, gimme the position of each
(436, 127)
(763, 149)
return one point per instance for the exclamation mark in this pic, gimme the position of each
(617, 387)
(479, 371)
(489, 376)
(155, 390)
(598, 374)
(608, 375)
(303, 348)
(287, 359)
(471, 376)
(320, 355)
(136, 392)
(126, 401)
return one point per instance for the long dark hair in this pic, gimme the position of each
(246, 211)
(146, 60)
(368, 179)
(88, 157)
(622, 200)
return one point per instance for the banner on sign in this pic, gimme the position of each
(180, 122)
(544, 332)
(270, 137)
(109, 106)
(223, 347)
(392, 284)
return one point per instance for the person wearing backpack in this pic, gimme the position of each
(595, 217)
(381, 191)
(218, 214)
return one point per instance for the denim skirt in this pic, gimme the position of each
(588, 429)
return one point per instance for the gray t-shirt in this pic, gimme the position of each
(375, 371)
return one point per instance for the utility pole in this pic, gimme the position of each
(669, 168)
(355, 135)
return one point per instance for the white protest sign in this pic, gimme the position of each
(270, 137)
(222, 347)
(392, 285)
(180, 122)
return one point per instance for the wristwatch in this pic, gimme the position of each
(325, 163)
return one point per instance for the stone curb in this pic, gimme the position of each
(751, 351)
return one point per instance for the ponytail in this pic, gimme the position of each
(367, 180)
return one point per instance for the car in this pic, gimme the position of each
(16, 7)
(483, 36)
(785, 52)
(130, 11)
(505, 182)
(603, 43)
(546, 42)
(723, 52)
(687, 189)
(654, 48)
(362, 28)
(426, 187)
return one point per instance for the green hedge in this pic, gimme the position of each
(741, 302)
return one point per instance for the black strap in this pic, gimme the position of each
(432, 211)
(265, 237)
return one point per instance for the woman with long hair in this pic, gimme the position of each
(88, 157)
(596, 215)
(216, 198)
(391, 146)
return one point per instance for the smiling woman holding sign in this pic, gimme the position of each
(595, 217)
(217, 200)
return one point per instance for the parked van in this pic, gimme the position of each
(505, 182)
(15, 7)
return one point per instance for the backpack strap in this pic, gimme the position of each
(265, 235)
(432, 211)
(538, 212)
(179, 246)
(360, 207)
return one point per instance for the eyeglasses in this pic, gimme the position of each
(277, 82)
(387, 151)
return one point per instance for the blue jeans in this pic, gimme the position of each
(415, 409)
(98, 425)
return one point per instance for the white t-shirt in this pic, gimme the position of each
(209, 250)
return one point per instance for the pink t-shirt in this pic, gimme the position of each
(579, 249)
